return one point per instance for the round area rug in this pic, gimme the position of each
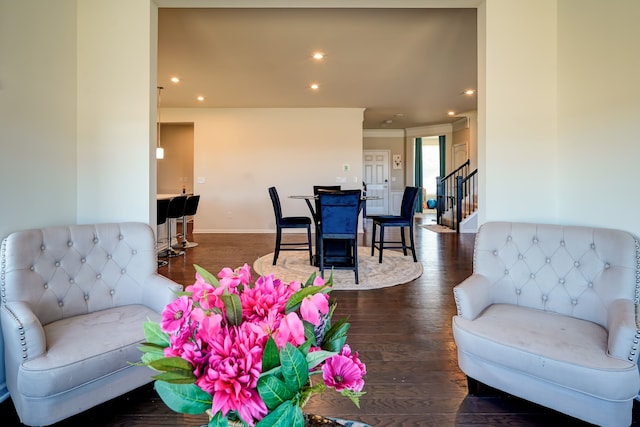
(394, 270)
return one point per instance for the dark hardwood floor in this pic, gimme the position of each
(403, 334)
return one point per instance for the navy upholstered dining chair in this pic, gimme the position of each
(405, 219)
(283, 222)
(338, 230)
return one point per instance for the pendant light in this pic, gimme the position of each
(159, 149)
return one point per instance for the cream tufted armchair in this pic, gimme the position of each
(74, 300)
(549, 315)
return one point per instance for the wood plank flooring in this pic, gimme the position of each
(403, 334)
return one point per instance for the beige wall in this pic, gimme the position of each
(175, 171)
(240, 153)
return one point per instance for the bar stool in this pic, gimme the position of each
(161, 212)
(175, 211)
(190, 209)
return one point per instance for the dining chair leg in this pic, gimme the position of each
(413, 246)
(277, 250)
(381, 247)
(404, 241)
(355, 259)
(310, 244)
(373, 239)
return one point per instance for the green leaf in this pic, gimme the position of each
(270, 356)
(296, 299)
(153, 334)
(171, 364)
(206, 276)
(177, 376)
(285, 415)
(233, 305)
(294, 367)
(273, 391)
(183, 398)
(354, 396)
(317, 357)
(336, 336)
(218, 421)
(311, 278)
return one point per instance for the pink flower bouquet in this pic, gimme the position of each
(247, 351)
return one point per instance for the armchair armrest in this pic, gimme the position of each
(23, 333)
(472, 296)
(160, 292)
(623, 331)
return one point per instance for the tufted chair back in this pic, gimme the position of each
(67, 271)
(570, 270)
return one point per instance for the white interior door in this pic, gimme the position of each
(376, 176)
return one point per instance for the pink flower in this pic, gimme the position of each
(312, 306)
(233, 368)
(176, 314)
(344, 372)
(267, 296)
(290, 330)
(230, 279)
(204, 294)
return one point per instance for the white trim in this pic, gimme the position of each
(383, 133)
(429, 130)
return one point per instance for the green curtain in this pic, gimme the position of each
(418, 172)
(442, 142)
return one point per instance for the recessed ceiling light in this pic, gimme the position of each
(469, 92)
(175, 79)
(318, 55)
(451, 113)
(314, 86)
(200, 98)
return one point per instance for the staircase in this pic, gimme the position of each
(457, 199)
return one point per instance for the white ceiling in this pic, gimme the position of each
(412, 62)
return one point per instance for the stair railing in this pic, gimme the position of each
(446, 190)
(466, 197)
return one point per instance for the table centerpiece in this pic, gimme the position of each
(250, 353)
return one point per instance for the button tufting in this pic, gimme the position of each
(46, 286)
(590, 284)
(98, 276)
(83, 260)
(544, 298)
(561, 281)
(71, 281)
(607, 265)
(42, 247)
(518, 291)
(60, 303)
(95, 240)
(532, 276)
(548, 260)
(535, 240)
(123, 271)
(495, 253)
(57, 263)
(576, 264)
(593, 246)
(109, 256)
(134, 251)
(561, 242)
(32, 268)
(506, 272)
(520, 256)
(86, 297)
(69, 243)
(509, 238)
(112, 292)
(574, 301)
